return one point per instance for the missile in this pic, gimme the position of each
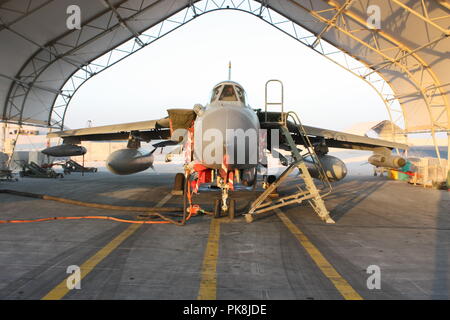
(387, 161)
(335, 168)
(65, 150)
(129, 161)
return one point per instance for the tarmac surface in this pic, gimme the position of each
(402, 230)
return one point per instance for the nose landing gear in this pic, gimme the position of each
(230, 211)
(225, 205)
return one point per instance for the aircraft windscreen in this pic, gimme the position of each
(241, 94)
(228, 94)
(215, 93)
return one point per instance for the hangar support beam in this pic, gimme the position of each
(425, 18)
(123, 22)
(24, 13)
(399, 63)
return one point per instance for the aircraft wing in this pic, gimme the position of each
(147, 130)
(332, 139)
(159, 129)
(337, 139)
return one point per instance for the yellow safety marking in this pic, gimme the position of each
(62, 289)
(208, 283)
(344, 288)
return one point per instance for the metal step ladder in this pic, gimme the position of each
(307, 192)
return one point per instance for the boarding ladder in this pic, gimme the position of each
(306, 192)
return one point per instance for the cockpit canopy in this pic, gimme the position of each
(228, 92)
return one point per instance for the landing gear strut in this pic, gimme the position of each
(225, 205)
(218, 208)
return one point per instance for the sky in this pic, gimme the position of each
(180, 69)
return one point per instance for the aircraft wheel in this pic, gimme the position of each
(248, 177)
(271, 179)
(179, 184)
(185, 197)
(217, 208)
(232, 209)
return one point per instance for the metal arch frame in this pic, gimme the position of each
(123, 22)
(347, 62)
(425, 17)
(70, 87)
(402, 63)
(38, 63)
(22, 86)
(28, 10)
(375, 81)
(260, 9)
(24, 13)
(398, 62)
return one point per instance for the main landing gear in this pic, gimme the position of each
(224, 203)
(224, 206)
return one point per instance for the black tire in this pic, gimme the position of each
(232, 209)
(179, 182)
(185, 200)
(271, 179)
(217, 208)
(250, 182)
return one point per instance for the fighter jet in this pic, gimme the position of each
(226, 142)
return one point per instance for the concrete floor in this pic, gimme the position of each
(404, 230)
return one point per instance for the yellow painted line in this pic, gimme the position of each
(208, 282)
(62, 289)
(344, 288)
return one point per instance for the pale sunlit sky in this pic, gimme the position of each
(180, 70)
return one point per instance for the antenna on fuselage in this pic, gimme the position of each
(229, 71)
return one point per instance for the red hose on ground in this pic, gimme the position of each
(193, 210)
(85, 217)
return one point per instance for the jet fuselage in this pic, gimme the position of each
(226, 131)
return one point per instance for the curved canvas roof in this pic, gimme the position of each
(39, 54)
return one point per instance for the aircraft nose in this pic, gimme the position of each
(232, 132)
